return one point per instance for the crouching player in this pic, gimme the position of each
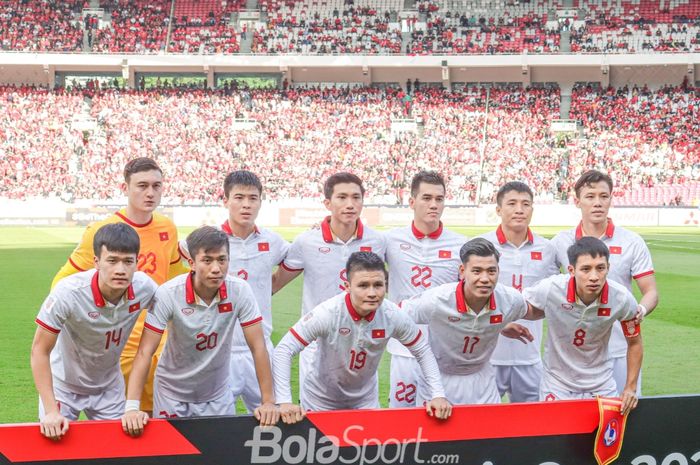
(82, 328)
(200, 310)
(581, 309)
(352, 330)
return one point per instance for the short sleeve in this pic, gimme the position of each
(53, 313)
(537, 294)
(160, 312)
(641, 260)
(313, 325)
(559, 245)
(294, 261)
(419, 308)
(281, 248)
(518, 306)
(405, 330)
(247, 306)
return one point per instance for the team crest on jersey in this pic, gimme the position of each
(615, 250)
(378, 334)
(344, 331)
(405, 246)
(263, 246)
(444, 254)
(453, 319)
(134, 307)
(225, 307)
(324, 249)
(496, 319)
(187, 311)
(94, 315)
(603, 311)
(535, 255)
(164, 236)
(567, 306)
(611, 432)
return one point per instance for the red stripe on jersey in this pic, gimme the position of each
(289, 268)
(641, 275)
(153, 328)
(86, 440)
(415, 340)
(74, 265)
(131, 223)
(299, 338)
(47, 327)
(251, 322)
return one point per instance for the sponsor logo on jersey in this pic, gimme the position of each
(567, 306)
(187, 311)
(405, 246)
(550, 397)
(344, 331)
(610, 435)
(164, 236)
(324, 249)
(444, 254)
(263, 246)
(615, 250)
(535, 255)
(495, 319)
(453, 319)
(134, 307)
(94, 315)
(378, 334)
(225, 307)
(366, 249)
(603, 311)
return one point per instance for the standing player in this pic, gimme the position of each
(254, 252)
(352, 330)
(200, 310)
(159, 257)
(629, 256)
(82, 327)
(465, 319)
(420, 256)
(526, 258)
(322, 253)
(582, 308)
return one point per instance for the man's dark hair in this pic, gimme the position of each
(206, 238)
(340, 178)
(428, 177)
(587, 245)
(365, 261)
(241, 178)
(592, 177)
(511, 186)
(116, 237)
(479, 247)
(139, 165)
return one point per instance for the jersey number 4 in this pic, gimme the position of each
(421, 276)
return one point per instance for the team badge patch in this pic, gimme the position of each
(615, 250)
(365, 249)
(453, 319)
(495, 319)
(134, 307)
(535, 255)
(378, 334)
(603, 311)
(187, 311)
(324, 249)
(94, 315)
(567, 306)
(344, 331)
(263, 246)
(226, 307)
(405, 246)
(444, 254)
(164, 236)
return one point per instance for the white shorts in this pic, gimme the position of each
(310, 403)
(403, 376)
(107, 405)
(244, 380)
(475, 388)
(619, 367)
(521, 382)
(551, 390)
(306, 363)
(164, 407)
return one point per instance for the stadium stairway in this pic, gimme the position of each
(565, 41)
(565, 103)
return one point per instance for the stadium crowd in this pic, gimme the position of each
(644, 137)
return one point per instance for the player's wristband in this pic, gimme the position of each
(644, 311)
(132, 405)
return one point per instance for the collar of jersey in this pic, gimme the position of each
(462, 306)
(572, 297)
(227, 229)
(501, 236)
(353, 313)
(419, 235)
(191, 297)
(97, 295)
(609, 231)
(329, 236)
(122, 215)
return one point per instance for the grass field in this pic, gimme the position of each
(31, 257)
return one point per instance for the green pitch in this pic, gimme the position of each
(31, 257)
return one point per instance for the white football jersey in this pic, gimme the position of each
(252, 259)
(521, 267)
(322, 257)
(461, 339)
(629, 259)
(344, 374)
(418, 262)
(91, 331)
(576, 348)
(194, 366)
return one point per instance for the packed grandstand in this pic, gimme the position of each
(479, 136)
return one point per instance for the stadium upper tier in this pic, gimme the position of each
(73, 144)
(351, 26)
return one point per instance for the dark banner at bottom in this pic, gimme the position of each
(661, 431)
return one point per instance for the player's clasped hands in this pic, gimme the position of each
(268, 414)
(54, 426)
(439, 407)
(133, 422)
(291, 413)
